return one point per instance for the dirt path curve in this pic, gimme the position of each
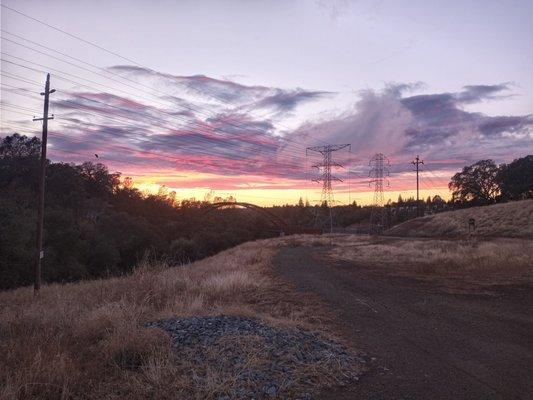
(428, 344)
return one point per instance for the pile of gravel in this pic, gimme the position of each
(259, 361)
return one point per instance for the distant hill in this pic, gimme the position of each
(513, 219)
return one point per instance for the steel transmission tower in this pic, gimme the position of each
(326, 198)
(379, 169)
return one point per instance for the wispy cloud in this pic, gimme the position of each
(200, 124)
(436, 124)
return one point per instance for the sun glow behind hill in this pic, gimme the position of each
(271, 196)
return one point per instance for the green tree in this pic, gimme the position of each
(98, 181)
(183, 250)
(476, 183)
(17, 243)
(19, 163)
(516, 179)
(19, 147)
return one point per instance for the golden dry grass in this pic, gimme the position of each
(513, 219)
(481, 261)
(88, 340)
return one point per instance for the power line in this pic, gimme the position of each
(106, 71)
(167, 94)
(119, 161)
(70, 34)
(92, 44)
(9, 75)
(167, 156)
(199, 138)
(130, 111)
(17, 106)
(14, 111)
(56, 57)
(434, 184)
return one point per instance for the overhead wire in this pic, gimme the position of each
(125, 110)
(152, 141)
(95, 45)
(210, 163)
(67, 33)
(102, 48)
(189, 107)
(205, 131)
(14, 111)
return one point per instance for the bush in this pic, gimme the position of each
(183, 251)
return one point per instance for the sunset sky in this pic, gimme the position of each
(227, 95)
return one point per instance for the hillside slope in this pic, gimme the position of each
(238, 332)
(514, 219)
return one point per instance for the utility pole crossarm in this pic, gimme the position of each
(324, 165)
(42, 119)
(329, 147)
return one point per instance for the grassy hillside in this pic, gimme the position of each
(90, 340)
(451, 264)
(513, 219)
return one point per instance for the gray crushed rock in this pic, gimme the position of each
(284, 354)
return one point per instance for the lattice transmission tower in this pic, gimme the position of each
(379, 170)
(324, 214)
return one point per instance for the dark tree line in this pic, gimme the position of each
(97, 224)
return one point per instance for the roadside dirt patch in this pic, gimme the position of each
(428, 344)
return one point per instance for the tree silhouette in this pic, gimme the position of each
(516, 179)
(476, 183)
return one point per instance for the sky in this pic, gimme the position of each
(226, 96)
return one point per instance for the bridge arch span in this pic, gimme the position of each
(273, 218)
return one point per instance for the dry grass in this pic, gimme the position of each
(494, 261)
(513, 219)
(88, 340)
(485, 261)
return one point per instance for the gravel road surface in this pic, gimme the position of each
(428, 344)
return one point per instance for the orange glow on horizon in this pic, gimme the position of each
(269, 196)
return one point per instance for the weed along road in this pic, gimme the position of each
(428, 343)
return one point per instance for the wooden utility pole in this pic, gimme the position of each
(39, 254)
(417, 162)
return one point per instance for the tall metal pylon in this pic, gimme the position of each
(326, 198)
(379, 169)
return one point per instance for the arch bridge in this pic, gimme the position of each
(273, 218)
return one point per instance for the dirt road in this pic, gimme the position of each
(428, 344)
